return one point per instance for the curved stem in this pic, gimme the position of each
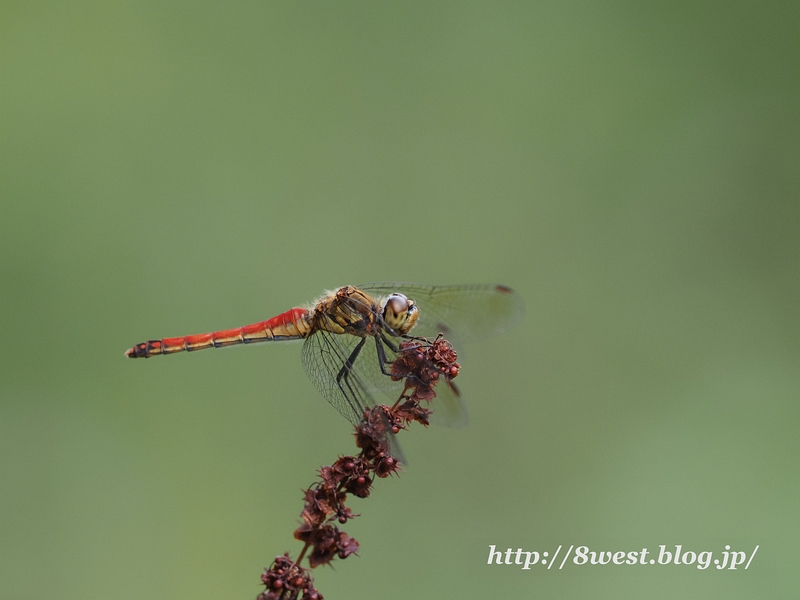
(302, 554)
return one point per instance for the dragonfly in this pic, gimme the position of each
(353, 334)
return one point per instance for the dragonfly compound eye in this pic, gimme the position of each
(400, 313)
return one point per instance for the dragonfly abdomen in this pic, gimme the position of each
(292, 325)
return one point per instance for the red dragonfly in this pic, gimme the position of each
(339, 326)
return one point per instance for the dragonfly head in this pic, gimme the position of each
(400, 313)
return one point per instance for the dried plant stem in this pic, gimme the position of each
(420, 365)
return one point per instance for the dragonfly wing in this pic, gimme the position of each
(461, 312)
(448, 407)
(368, 368)
(325, 356)
(338, 372)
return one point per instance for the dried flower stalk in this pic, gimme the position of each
(421, 364)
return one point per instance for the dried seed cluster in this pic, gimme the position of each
(421, 364)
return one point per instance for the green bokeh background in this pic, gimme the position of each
(632, 169)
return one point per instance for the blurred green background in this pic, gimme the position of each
(632, 169)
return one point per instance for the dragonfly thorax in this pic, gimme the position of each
(400, 313)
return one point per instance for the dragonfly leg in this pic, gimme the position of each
(344, 374)
(392, 346)
(423, 341)
(382, 361)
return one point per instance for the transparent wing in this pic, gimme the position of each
(368, 369)
(325, 358)
(448, 407)
(336, 364)
(461, 312)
